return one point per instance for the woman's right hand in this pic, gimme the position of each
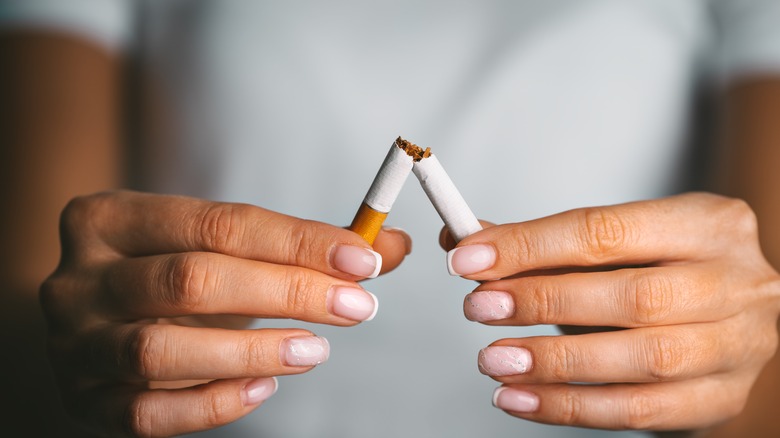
(136, 267)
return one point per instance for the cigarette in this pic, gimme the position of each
(445, 197)
(384, 190)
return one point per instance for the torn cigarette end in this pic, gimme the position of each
(384, 190)
(416, 152)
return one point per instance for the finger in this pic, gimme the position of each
(169, 352)
(635, 355)
(680, 228)
(620, 298)
(137, 224)
(167, 412)
(690, 404)
(447, 242)
(393, 244)
(209, 283)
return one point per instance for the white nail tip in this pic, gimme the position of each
(378, 267)
(376, 307)
(450, 269)
(496, 393)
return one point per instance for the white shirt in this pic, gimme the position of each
(533, 107)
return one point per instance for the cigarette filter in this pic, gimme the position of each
(383, 192)
(446, 199)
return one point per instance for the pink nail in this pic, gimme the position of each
(358, 261)
(470, 259)
(486, 306)
(510, 399)
(259, 390)
(305, 351)
(504, 361)
(352, 303)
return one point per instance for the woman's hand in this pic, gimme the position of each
(134, 266)
(684, 276)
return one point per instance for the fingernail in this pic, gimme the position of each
(358, 261)
(504, 361)
(305, 351)
(470, 259)
(259, 390)
(486, 306)
(405, 235)
(510, 399)
(353, 303)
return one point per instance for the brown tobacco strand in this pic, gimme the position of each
(414, 151)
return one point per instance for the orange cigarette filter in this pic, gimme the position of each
(385, 189)
(367, 223)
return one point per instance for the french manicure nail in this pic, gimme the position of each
(510, 399)
(358, 261)
(483, 306)
(352, 303)
(259, 390)
(470, 259)
(504, 361)
(304, 351)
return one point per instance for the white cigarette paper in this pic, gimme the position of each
(390, 179)
(446, 199)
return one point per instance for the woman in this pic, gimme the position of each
(534, 108)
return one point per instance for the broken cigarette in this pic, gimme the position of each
(445, 197)
(384, 190)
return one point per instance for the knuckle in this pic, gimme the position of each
(147, 352)
(767, 343)
(653, 298)
(525, 248)
(253, 355)
(571, 408)
(49, 297)
(738, 217)
(736, 404)
(545, 307)
(642, 412)
(220, 224)
(299, 239)
(190, 277)
(562, 359)
(84, 211)
(137, 418)
(82, 218)
(665, 357)
(217, 408)
(298, 299)
(604, 231)
(56, 300)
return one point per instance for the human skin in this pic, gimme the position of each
(82, 154)
(688, 278)
(144, 282)
(133, 264)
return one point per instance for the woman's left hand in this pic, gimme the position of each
(684, 276)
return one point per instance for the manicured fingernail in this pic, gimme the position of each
(305, 351)
(504, 361)
(259, 390)
(486, 306)
(405, 235)
(510, 399)
(352, 303)
(470, 259)
(356, 261)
